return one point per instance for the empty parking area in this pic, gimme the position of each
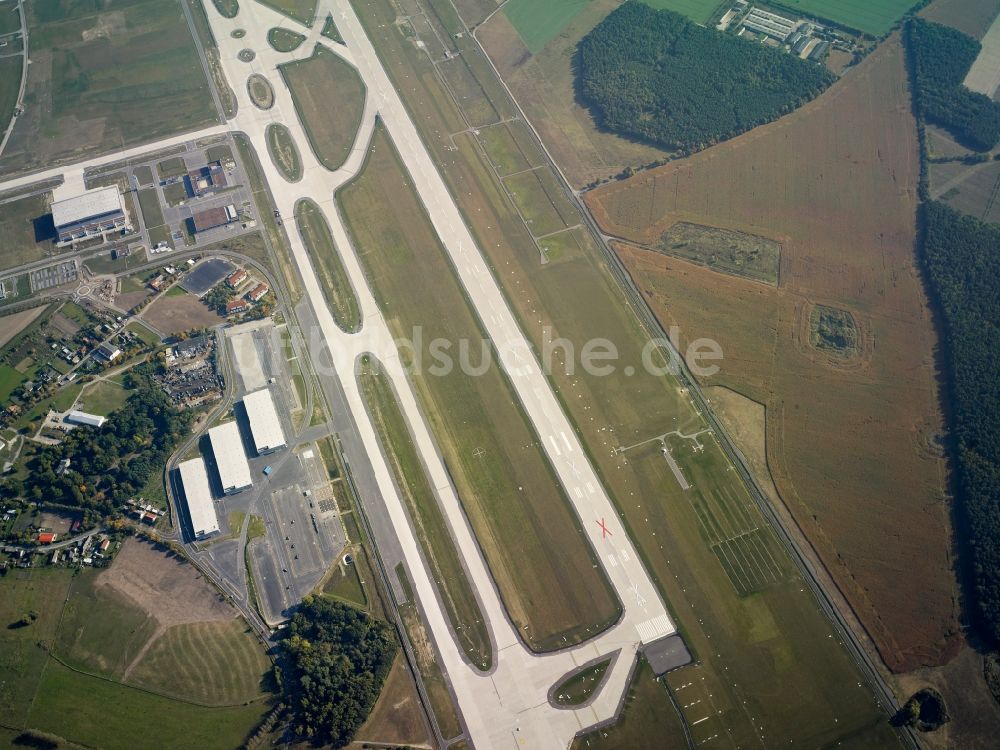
(206, 275)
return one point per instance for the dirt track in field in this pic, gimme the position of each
(850, 442)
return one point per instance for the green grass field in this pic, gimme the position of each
(147, 336)
(149, 204)
(874, 17)
(284, 40)
(102, 645)
(303, 11)
(769, 658)
(329, 98)
(216, 663)
(18, 220)
(9, 380)
(345, 585)
(544, 569)
(103, 397)
(10, 84)
(106, 77)
(105, 714)
(329, 267)
(432, 529)
(283, 152)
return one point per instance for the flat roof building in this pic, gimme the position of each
(771, 24)
(81, 417)
(201, 508)
(205, 180)
(91, 213)
(265, 427)
(213, 217)
(230, 460)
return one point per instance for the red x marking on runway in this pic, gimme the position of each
(605, 531)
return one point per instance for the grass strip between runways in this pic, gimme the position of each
(432, 528)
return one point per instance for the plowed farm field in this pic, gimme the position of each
(851, 437)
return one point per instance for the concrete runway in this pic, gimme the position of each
(509, 707)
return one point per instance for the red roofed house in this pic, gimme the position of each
(236, 278)
(258, 291)
(149, 517)
(236, 306)
(105, 544)
(46, 537)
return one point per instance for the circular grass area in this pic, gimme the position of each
(247, 55)
(238, 33)
(260, 91)
(284, 40)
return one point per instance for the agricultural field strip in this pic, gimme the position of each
(984, 75)
(514, 697)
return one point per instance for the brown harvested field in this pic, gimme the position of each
(166, 587)
(972, 17)
(543, 84)
(11, 325)
(971, 190)
(174, 314)
(850, 442)
(397, 718)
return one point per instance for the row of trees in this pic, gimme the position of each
(962, 255)
(338, 658)
(940, 58)
(111, 464)
(659, 77)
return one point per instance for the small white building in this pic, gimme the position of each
(265, 426)
(201, 509)
(230, 459)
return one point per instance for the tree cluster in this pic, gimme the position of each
(962, 255)
(111, 464)
(339, 657)
(657, 76)
(940, 58)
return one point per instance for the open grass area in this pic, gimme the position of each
(102, 397)
(877, 412)
(303, 11)
(283, 152)
(699, 11)
(578, 688)
(147, 336)
(217, 663)
(529, 535)
(96, 712)
(10, 85)
(771, 660)
(543, 81)
(284, 40)
(538, 22)
(345, 585)
(106, 77)
(874, 17)
(329, 98)
(454, 587)
(648, 719)
(329, 267)
(26, 227)
(149, 204)
(541, 201)
(103, 645)
(21, 657)
(330, 30)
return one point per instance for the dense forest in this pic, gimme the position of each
(962, 256)
(111, 464)
(940, 58)
(659, 77)
(339, 658)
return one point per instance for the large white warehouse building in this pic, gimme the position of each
(265, 427)
(230, 460)
(201, 509)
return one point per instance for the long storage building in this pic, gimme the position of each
(201, 509)
(230, 460)
(265, 427)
